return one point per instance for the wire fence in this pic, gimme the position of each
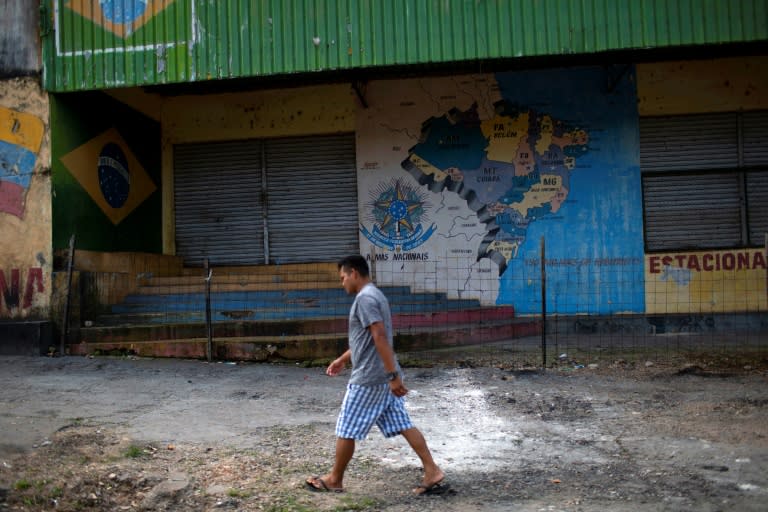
(575, 313)
(555, 312)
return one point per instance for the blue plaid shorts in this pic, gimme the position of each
(366, 406)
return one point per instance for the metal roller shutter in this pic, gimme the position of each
(692, 212)
(683, 211)
(755, 138)
(757, 206)
(310, 211)
(708, 141)
(312, 198)
(218, 203)
(755, 157)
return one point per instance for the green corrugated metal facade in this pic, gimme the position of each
(97, 44)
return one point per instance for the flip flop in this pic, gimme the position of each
(435, 489)
(312, 482)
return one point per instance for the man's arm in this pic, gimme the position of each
(387, 355)
(338, 364)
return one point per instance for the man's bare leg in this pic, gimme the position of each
(334, 480)
(432, 473)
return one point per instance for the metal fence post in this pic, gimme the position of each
(67, 296)
(208, 324)
(543, 306)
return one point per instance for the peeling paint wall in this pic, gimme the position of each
(713, 281)
(701, 86)
(25, 201)
(273, 113)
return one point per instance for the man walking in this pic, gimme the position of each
(375, 393)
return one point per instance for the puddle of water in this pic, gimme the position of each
(465, 432)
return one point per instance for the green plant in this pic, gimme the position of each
(237, 493)
(349, 503)
(133, 452)
(22, 485)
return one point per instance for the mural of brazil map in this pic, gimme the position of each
(511, 169)
(555, 155)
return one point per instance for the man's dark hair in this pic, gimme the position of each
(354, 262)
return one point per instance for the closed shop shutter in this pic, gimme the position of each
(755, 137)
(682, 143)
(757, 206)
(692, 211)
(705, 180)
(312, 198)
(218, 203)
(755, 158)
(288, 200)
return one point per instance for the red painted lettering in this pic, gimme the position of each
(653, 265)
(758, 261)
(743, 260)
(693, 263)
(707, 261)
(729, 261)
(10, 294)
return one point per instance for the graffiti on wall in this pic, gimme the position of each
(21, 136)
(706, 282)
(509, 159)
(111, 174)
(11, 294)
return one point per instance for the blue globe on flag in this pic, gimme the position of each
(114, 176)
(123, 11)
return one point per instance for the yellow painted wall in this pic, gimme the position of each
(706, 282)
(700, 86)
(703, 282)
(273, 113)
(26, 259)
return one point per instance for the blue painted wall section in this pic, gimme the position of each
(559, 160)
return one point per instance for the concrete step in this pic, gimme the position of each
(336, 304)
(402, 315)
(310, 279)
(279, 311)
(327, 269)
(269, 296)
(259, 341)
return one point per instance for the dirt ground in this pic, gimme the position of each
(111, 434)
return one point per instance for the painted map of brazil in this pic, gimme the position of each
(511, 170)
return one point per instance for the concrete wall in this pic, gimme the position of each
(705, 281)
(472, 241)
(25, 201)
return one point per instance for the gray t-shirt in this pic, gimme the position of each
(370, 306)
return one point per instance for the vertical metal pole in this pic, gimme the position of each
(543, 305)
(68, 292)
(208, 325)
(373, 263)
